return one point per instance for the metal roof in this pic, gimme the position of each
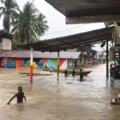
(72, 41)
(36, 54)
(88, 10)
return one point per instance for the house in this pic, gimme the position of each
(101, 57)
(87, 54)
(18, 59)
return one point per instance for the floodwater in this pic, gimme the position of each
(67, 100)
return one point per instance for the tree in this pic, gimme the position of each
(8, 11)
(14, 44)
(1, 1)
(29, 24)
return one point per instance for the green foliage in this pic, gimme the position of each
(29, 24)
(27, 64)
(26, 25)
(14, 44)
(8, 10)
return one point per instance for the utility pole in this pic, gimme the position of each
(107, 61)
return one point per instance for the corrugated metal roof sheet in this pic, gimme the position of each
(71, 41)
(26, 54)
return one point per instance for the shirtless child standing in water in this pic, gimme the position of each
(20, 95)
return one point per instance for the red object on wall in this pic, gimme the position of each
(43, 60)
(61, 62)
(9, 59)
(18, 63)
(2, 64)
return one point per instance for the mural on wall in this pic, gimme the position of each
(37, 63)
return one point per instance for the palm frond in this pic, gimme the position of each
(8, 10)
(2, 1)
(29, 24)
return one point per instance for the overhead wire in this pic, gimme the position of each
(66, 29)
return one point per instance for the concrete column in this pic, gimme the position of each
(6, 60)
(31, 66)
(58, 67)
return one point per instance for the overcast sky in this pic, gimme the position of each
(56, 21)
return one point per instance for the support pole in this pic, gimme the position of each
(107, 61)
(31, 66)
(6, 60)
(58, 67)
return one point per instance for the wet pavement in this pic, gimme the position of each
(68, 99)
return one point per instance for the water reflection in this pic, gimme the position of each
(68, 99)
(30, 87)
(19, 108)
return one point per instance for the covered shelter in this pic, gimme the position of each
(69, 42)
(87, 11)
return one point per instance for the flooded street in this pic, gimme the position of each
(69, 99)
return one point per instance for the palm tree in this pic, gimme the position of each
(8, 11)
(42, 24)
(1, 1)
(29, 24)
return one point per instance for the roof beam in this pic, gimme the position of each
(86, 11)
(76, 44)
(92, 19)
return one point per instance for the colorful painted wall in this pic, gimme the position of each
(38, 63)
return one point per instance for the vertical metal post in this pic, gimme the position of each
(58, 67)
(31, 66)
(107, 61)
(6, 60)
(72, 63)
